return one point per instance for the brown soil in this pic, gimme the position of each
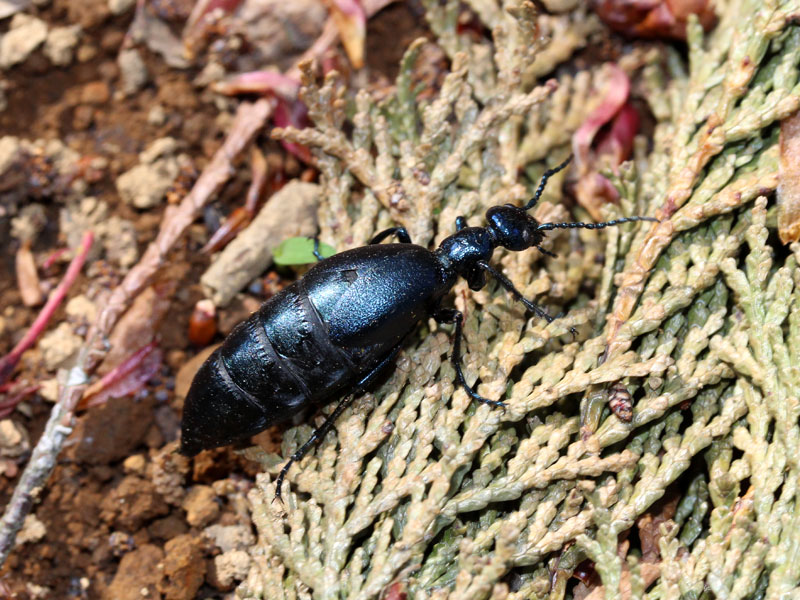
(123, 515)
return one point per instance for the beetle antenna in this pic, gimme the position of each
(550, 226)
(547, 175)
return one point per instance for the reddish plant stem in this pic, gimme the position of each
(54, 256)
(250, 118)
(116, 374)
(241, 217)
(8, 405)
(9, 362)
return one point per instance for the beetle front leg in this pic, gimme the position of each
(531, 306)
(451, 315)
(317, 255)
(399, 232)
(319, 434)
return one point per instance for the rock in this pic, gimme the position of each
(168, 471)
(201, 506)
(13, 439)
(119, 241)
(120, 543)
(82, 117)
(86, 52)
(25, 35)
(11, 7)
(89, 13)
(59, 346)
(95, 92)
(48, 389)
(138, 575)
(10, 148)
(228, 568)
(157, 116)
(133, 71)
(29, 222)
(230, 537)
(146, 184)
(111, 431)
(117, 7)
(161, 148)
(81, 309)
(32, 530)
(135, 465)
(167, 528)
(133, 502)
(60, 44)
(184, 568)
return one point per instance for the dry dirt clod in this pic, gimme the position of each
(146, 184)
(25, 35)
(230, 537)
(111, 431)
(201, 506)
(228, 568)
(138, 575)
(32, 530)
(184, 568)
(133, 71)
(59, 346)
(13, 439)
(132, 503)
(60, 44)
(168, 472)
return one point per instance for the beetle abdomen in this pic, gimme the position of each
(266, 370)
(311, 341)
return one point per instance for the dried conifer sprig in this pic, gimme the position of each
(423, 492)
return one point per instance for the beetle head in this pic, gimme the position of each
(513, 228)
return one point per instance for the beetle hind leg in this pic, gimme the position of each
(319, 434)
(451, 315)
(316, 437)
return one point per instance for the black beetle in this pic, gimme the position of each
(334, 330)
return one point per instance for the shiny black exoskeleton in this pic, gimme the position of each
(332, 332)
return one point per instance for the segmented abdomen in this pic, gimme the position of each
(267, 369)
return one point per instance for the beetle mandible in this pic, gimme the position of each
(336, 329)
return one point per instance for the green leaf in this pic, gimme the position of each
(299, 251)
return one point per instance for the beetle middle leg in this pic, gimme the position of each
(319, 434)
(451, 315)
(401, 233)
